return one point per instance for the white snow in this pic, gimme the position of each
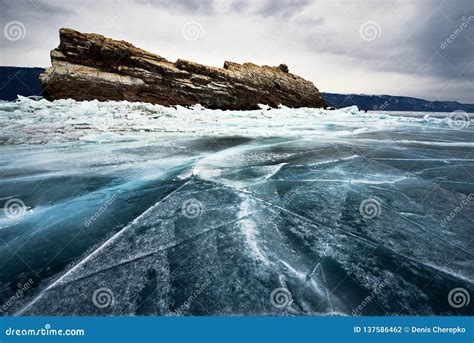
(41, 121)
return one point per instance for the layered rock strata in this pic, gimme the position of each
(87, 66)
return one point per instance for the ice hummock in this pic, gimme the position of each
(28, 121)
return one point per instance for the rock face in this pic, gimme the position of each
(88, 66)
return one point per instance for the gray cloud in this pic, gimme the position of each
(282, 7)
(239, 5)
(10, 8)
(195, 6)
(321, 40)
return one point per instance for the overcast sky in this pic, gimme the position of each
(372, 47)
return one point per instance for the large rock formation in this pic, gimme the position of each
(88, 66)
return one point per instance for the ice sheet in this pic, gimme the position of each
(177, 211)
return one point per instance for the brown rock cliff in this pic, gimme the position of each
(87, 66)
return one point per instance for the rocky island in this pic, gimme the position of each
(88, 66)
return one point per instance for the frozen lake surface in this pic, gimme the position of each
(135, 209)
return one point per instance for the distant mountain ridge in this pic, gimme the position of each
(19, 81)
(25, 81)
(393, 103)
